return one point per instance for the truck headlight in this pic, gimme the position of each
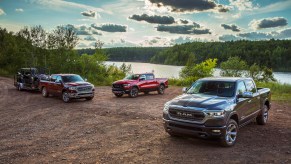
(72, 88)
(126, 85)
(166, 108)
(215, 113)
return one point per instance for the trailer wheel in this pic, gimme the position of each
(44, 92)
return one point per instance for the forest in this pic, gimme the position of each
(54, 51)
(275, 54)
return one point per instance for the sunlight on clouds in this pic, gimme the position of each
(2, 12)
(19, 10)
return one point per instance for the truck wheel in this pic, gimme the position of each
(263, 117)
(89, 98)
(161, 89)
(44, 92)
(118, 94)
(229, 138)
(133, 92)
(66, 97)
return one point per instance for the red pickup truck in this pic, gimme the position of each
(69, 86)
(135, 83)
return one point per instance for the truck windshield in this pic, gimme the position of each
(72, 78)
(217, 88)
(132, 77)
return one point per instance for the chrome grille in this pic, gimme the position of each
(186, 115)
(84, 89)
(117, 86)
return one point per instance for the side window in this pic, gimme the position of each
(241, 88)
(250, 86)
(142, 77)
(59, 78)
(150, 77)
(53, 78)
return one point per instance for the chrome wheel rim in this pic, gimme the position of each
(65, 97)
(231, 133)
(266, 114)
(134, 92)
(44, 92)
(162, 89)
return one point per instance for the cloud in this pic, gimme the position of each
(183, 29)
(243, 4)
(231, 27)
(19, 10)
(90, 13)
(268, 23)
(189, 5)
(283, 34)
(153, 19)
(89, 38)
(110, 27)
(2, 12)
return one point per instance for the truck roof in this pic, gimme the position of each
(63, 74)
(231, 79)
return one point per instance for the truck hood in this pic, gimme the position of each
(77, 83)
(201, 101)
(124, 81)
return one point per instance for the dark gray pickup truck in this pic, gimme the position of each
(217, 107)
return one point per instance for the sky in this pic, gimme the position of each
(145, 23)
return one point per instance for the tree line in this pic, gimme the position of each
(53, 51)
(273, 54)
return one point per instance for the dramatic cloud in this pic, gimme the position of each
(2, 12)
(230, 27)
(243, 4)
(90, 13)
(189, 5)
(184, 21)
(89, 38)
(283, 34)
(110, 27)
(184, 29)
(268, 23)
(19, 10)
(153, 19)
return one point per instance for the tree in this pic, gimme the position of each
(233, 67)
(203, 69)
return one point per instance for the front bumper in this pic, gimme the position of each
(120, 91)
(178, 127)
(80, 95)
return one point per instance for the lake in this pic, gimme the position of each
(169, 71)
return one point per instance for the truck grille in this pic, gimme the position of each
(186, 115)
(84, 89)
(117, 86)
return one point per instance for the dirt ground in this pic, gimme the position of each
(34, 129)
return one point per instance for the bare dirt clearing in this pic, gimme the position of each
(107, 129)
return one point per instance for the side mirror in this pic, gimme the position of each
(85, 79)
(185, 89)
(245, 95)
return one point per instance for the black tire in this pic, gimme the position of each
(229, 137)
(89, 98)
(118, 94)
(65, 97)
(161, 89)
(146, 92)
(133, 92)
(44, 92)
(262, 119)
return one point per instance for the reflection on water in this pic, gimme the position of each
(169, 71)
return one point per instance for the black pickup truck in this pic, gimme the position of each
(217, 107)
